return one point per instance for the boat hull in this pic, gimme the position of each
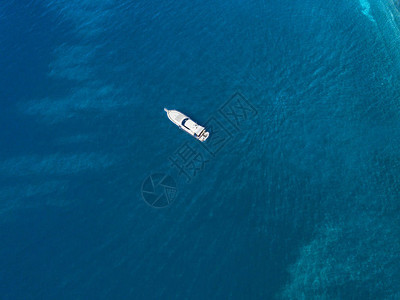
(187, 125)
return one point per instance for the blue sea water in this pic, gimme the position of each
(301, 203)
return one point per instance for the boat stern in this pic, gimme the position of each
(203, 136)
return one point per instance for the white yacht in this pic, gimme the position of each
(186, 124)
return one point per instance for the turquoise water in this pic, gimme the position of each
(302, 202)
